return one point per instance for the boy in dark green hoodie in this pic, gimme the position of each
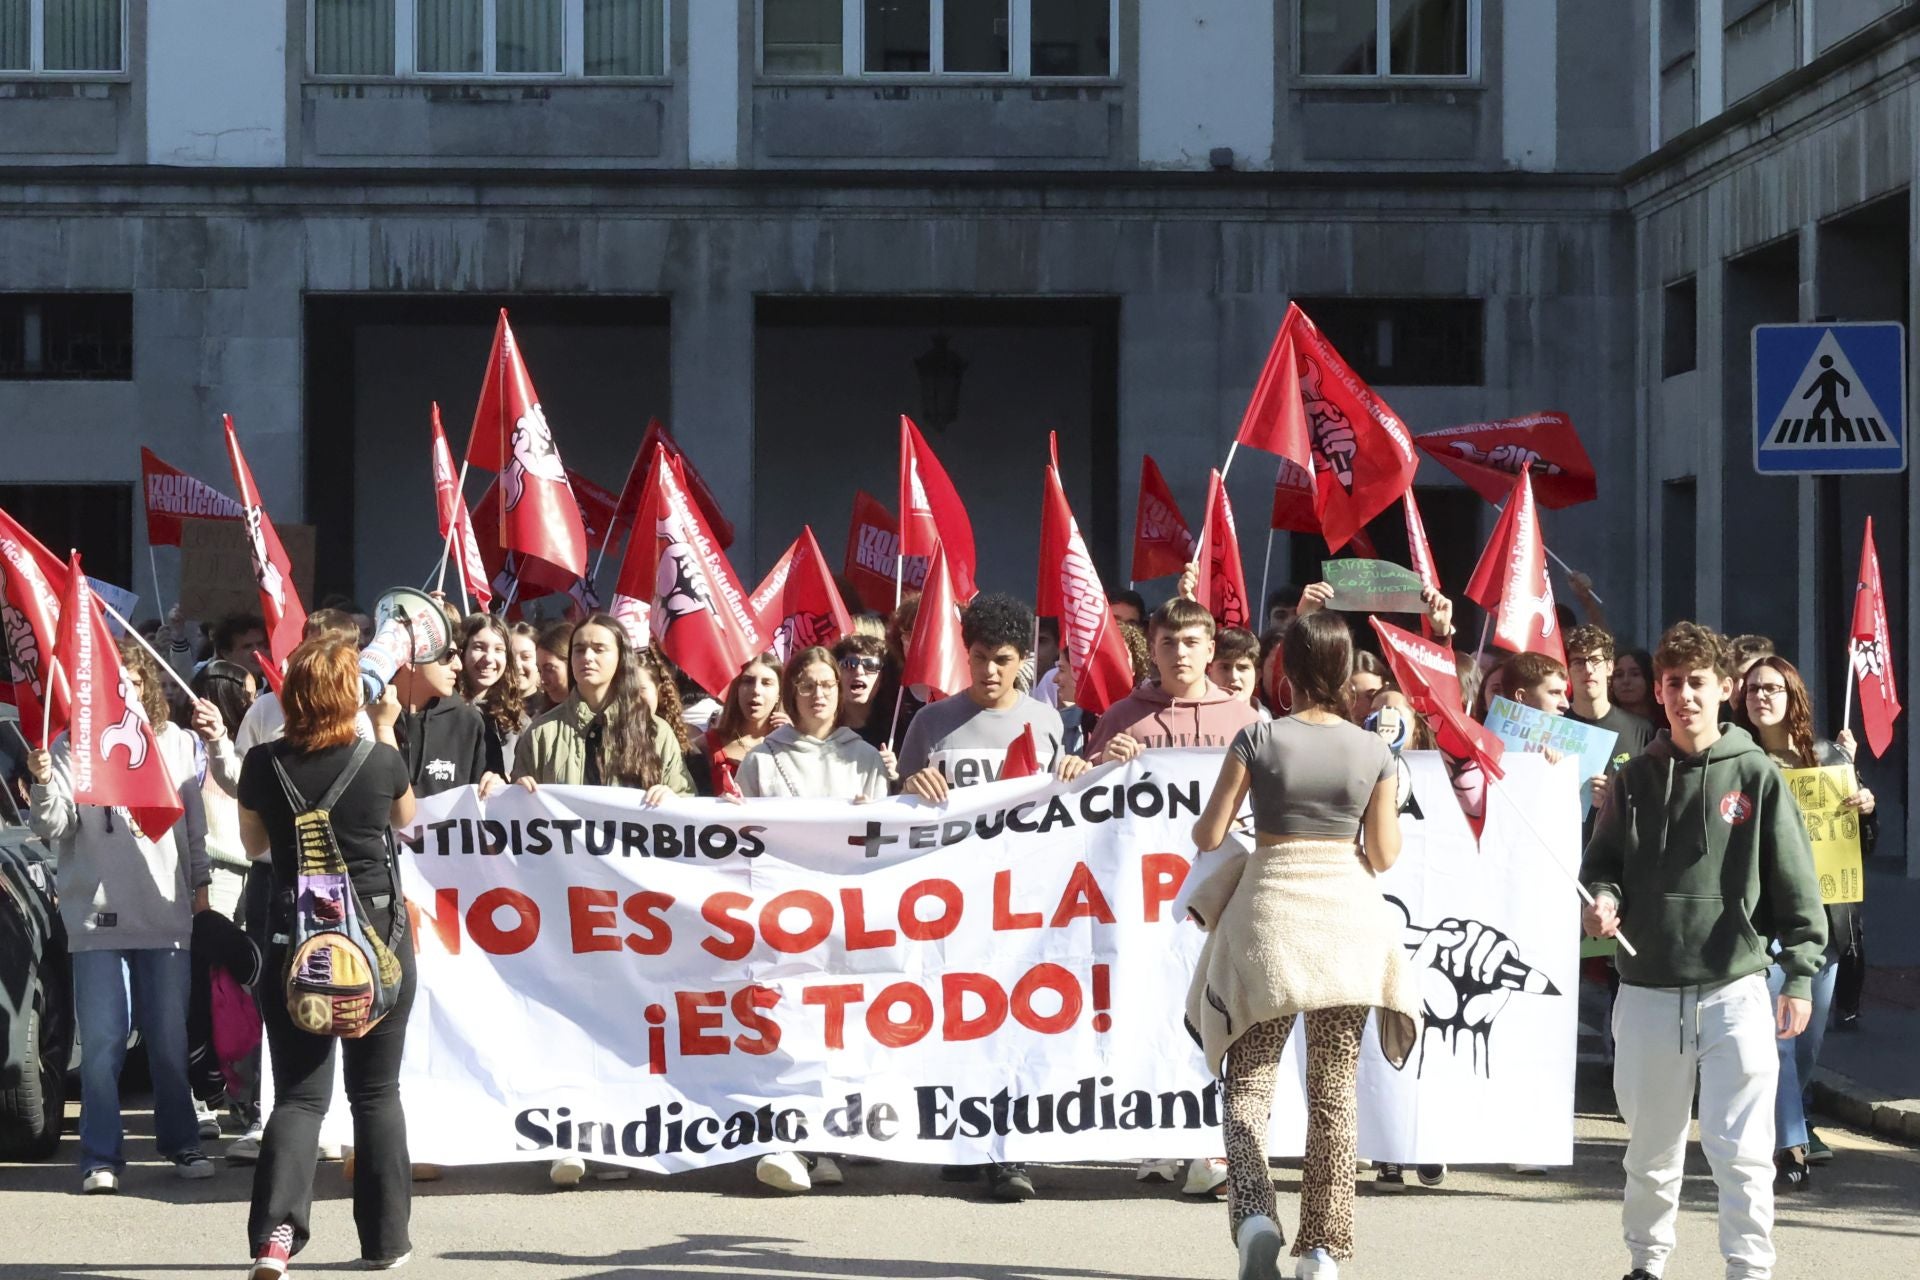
(1700, 860)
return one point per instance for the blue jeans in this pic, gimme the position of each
(114, 991)
(1798, 1057)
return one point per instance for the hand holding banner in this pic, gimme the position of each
(1833, 829)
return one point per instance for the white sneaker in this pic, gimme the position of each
(386, 1264)
(1157, 1171)
(209, 1120)
(1260, 1243)
(1318, 1264)
(567, 1171)
(826, 1172)
(245, 1149)
(1205, 1175)
(100, 1182)
(784, 1171)
(331, 1150)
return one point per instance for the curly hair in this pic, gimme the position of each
(996, 620)
(502, 703)
(1799, 719)
(627, 754)
(1137, 652)
(1590, 640)
(153, 695)
(1688, 646)
(667, 695)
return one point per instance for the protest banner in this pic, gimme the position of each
(998, 978)
(216, 567)
(118, 599)
(1832, 829)
(1528, 729)
(1373, 586)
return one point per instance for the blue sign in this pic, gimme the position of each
(1829, 399)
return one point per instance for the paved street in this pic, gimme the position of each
(897, 1221)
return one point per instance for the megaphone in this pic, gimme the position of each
(408, 626)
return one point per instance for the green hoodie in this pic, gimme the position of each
(1707, 856)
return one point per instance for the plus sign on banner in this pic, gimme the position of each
(1829, 399)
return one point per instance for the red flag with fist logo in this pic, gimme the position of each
(280, 603)
(32, 582)
(1070, 590)
(797, 604)
(1223, 582)
(539, 512)
(1488, 455)
(1872, 644)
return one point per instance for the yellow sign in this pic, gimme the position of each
(1832, 829)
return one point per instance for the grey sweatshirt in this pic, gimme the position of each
(840, 766)
(968, 744)
(120, 891)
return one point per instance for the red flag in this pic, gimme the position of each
(873, 546)
(1275, 420)
(676, 578)
(1487, 455)
(451, 505)
(1427, 676)
(172, 496)
(1363, 456)
(1511, 579)
(32, 582)
(1223, 583)
(936, 665)
(539, 513)
(599, 506)
(1070, 590)
(1293, 498)
(931, 511)
(1418, 549)
(1023, 756)
(1872, 645)
(114, 756)
(797, 604)
(272, 570)
(658, 437)
(274, 675)
(1162, 542)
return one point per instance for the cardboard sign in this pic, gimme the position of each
(1527, 729)
(118, 597)
(1832, 829)
(216, 571)
(1373, 586)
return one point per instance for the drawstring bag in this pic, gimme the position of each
(341, 978)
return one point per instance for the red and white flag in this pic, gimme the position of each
(1023, 756)
(658, 437)
(272, 571)
(1426, 674)
(1488, 455)
(677, 587)
(1363, 457)
(172, 496)
(798, 605)
(456, 520)
(1293, 500)
(873, 551)
(1418, 549)
(1162, 542)
(1872, 646)
(1511, 579)
(931, 511)
(936, 660)
(32, 582)
(1070, 590)
(539, 513)
(1275, 420)
(115, 759)
(1223, 582)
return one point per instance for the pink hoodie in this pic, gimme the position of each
(1152, 718)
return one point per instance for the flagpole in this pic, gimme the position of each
(1558, 865)
(1485, 624)
(153, 653)
(1265, 564)
(1231, 450)
(453, 531)
(466, 604)
(46, 709)
(899, 698)
(1501, 507)
(159, 604)
(1846, 714)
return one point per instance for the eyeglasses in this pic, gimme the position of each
(854, 662)
(1588, 660)
(807, 688)
(1768, 691)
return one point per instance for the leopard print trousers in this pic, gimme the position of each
(1326, 1183)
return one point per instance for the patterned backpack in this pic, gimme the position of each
(341, 977)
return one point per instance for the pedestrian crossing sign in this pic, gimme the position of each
(1829, 399)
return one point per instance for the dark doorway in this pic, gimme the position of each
(94, 519)
(1760, 515)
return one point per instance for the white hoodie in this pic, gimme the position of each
(840, 766)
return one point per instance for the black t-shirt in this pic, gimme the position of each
(1633, 734)
(359, 818)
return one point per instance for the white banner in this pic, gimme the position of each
(1001, 978)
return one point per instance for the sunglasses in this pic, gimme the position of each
(853, 662)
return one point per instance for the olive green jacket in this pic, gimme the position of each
(553, 749)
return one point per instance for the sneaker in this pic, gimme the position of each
(1009, 1182)
(1260, 1241)
(784, 1171)
(1640, 1273)
(209, 1120)
(331, 1150)
(1157, 1171)
(567, 1171)
(1531, 1170)
(1206, 1176)
(425, 1172)
(100, 1182)
(1392, 1177)
(826, 1172)
(1818, 1152)
(1432, 1175)
(271, 1262)
(245, 1149)
(1317, 1264)
(386, 1264)
(193, 1166)
(1790, 1170)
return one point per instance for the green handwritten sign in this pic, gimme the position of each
(1373, 586)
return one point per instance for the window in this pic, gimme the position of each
(1679, 327)
(94, 519)
(1408, 342)
(1421, 37)
(66, 336)
(62, 35)
(487, 38)
(1061, 39)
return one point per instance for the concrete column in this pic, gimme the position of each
(1529, 89)
(712, 398)
(713, 83)
(1712, 64)
(1807, 629)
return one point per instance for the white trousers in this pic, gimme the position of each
(1663, 1040)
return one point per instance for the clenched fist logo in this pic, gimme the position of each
(1468, 971)
(1509, 458)
(1334, 438)
(534, 455)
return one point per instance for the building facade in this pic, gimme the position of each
(778, 223)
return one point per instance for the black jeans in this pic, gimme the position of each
(302, 1088)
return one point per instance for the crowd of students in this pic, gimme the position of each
(1310, 721)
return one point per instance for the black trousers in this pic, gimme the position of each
(302, 1089)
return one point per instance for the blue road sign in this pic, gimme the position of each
(1829, 399)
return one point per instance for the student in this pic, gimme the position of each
(1299, 927)
(860, 658)
(963, 740)
(265, 720)
(445, 742)
(490, 686)
(1127, 606)
(1590, 665)
(1744, 651)
(523, 656)
(813, 755)
(1633, 690)
(749, 712)
(660, 690)
(1777, 710)
(1236, 665)
(1700, 859)
(238, 637)
(553, 664)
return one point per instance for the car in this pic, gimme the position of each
(36, 988)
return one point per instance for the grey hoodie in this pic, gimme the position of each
(120, 891)
(840, 766)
